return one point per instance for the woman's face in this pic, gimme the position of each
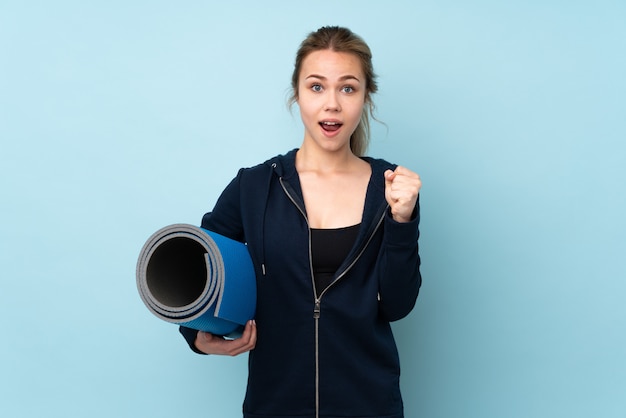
(331, 96)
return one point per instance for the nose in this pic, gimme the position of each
(332, 102)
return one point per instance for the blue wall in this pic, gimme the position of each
(117, 118)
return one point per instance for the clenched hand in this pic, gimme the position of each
(402, 187)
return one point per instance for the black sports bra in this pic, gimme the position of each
(329, 248)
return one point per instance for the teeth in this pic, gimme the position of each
(330, 123)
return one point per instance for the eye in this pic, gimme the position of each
(316, 88)
(347, 89)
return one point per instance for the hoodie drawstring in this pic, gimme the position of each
(267, 198)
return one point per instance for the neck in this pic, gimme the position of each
(316, 159)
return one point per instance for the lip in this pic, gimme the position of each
(330, 134)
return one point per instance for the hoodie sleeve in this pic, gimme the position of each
(399, 267)
(190, 335)
(225, 219)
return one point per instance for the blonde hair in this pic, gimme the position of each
(341, 39)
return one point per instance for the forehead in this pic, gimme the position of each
(331, 64)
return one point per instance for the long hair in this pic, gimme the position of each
(341, 39)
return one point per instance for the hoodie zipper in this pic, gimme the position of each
(317, 308)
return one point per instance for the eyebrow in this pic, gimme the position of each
(342, 78)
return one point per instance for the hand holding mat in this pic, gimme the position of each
(197, 278)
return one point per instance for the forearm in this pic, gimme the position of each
(399, 268)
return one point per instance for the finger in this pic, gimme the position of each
(204, 342)
(406, 181)
(249, 333)
(389, 176)
(246, 342)
(252, 337)
(401, 175)
(205, 337)
(403, 171)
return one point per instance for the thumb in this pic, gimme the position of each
(389, 176)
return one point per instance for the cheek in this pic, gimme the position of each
(356, 112)
(305, 108)
(307, 114)
(307, 104)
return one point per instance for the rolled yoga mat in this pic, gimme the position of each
(197, 278)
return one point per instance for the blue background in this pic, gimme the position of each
(118, 118)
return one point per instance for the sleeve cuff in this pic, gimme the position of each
(190, 336)
(402, 233)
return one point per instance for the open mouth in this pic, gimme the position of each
(330, 126)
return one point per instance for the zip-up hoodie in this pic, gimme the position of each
(332, 356)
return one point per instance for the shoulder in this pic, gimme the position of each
(281, 164)
(253, 181)
(379, 166)
(379, 163)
